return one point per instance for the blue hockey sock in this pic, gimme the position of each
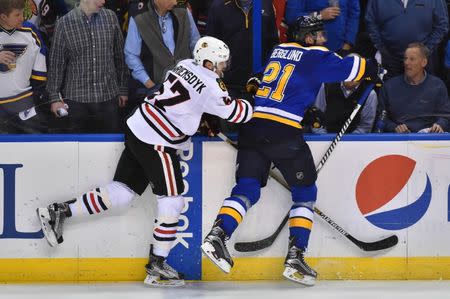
(300, 224)
(231, 213)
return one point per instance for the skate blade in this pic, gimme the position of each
(44, 218)
(208, 250)
(294, 275)
(155, 281)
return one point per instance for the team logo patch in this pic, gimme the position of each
(300, 176)
(18, 50)
(221, 84)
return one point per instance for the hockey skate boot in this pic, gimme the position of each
(52, 220)
(215, 249)
(296, 268)
(160, 274)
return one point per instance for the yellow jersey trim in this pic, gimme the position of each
(17, 98)
(277, 119)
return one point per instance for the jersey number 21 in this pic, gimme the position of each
(274, 72)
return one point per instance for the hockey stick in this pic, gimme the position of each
(366, 246)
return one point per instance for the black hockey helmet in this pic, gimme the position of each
(303, 26)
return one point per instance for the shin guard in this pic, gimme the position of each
(166, 223)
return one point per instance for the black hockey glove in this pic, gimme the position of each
(252, 85)
(374, 72)
(313, 117)
(209, 125)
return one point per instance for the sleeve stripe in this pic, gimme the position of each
(239, 102)
(247, 108)
(39, 78)
(234, 111)
(362, 69)
(355, 68)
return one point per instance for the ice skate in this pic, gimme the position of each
(52, 220)
(215, 249)
(296, 268)
(160, 274)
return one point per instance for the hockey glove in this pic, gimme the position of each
(374, 72)
(313, 117)
(209, 125)
(252, 85)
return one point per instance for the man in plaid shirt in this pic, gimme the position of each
(87, 70)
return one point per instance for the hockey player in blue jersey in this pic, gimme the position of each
(291, 80)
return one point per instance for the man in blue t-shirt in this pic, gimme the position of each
(416, 101)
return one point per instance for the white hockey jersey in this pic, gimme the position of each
(16, 91)
(174, 113)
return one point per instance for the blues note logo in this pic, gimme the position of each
(17, 49)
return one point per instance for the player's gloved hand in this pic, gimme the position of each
(313, 117)
(374, 72)
(209, 126)
(252, 85)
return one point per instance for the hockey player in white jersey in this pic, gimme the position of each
(160, 126)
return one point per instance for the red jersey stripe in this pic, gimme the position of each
(240, 111)
(169, 174)
(159, 121)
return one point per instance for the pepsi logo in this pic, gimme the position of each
(380, 186)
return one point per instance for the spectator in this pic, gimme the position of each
(415, 101)
(49, 12)
(338, 100)
(43, 14)
(200, 10)
(120, 7)
(87, 68)
(340, 17)
(393, 25)
(157, 38)
(23, 72)
(280, 12)
(231, 21)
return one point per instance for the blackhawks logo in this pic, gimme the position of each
(30, 9)
(221, 84)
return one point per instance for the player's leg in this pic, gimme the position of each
(301, 175)
(251, 175)
(162, 169)
(129, 179)
(159, 272)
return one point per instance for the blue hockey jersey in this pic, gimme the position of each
(292, 79)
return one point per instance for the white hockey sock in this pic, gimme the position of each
(101, 199)
(166, 223)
